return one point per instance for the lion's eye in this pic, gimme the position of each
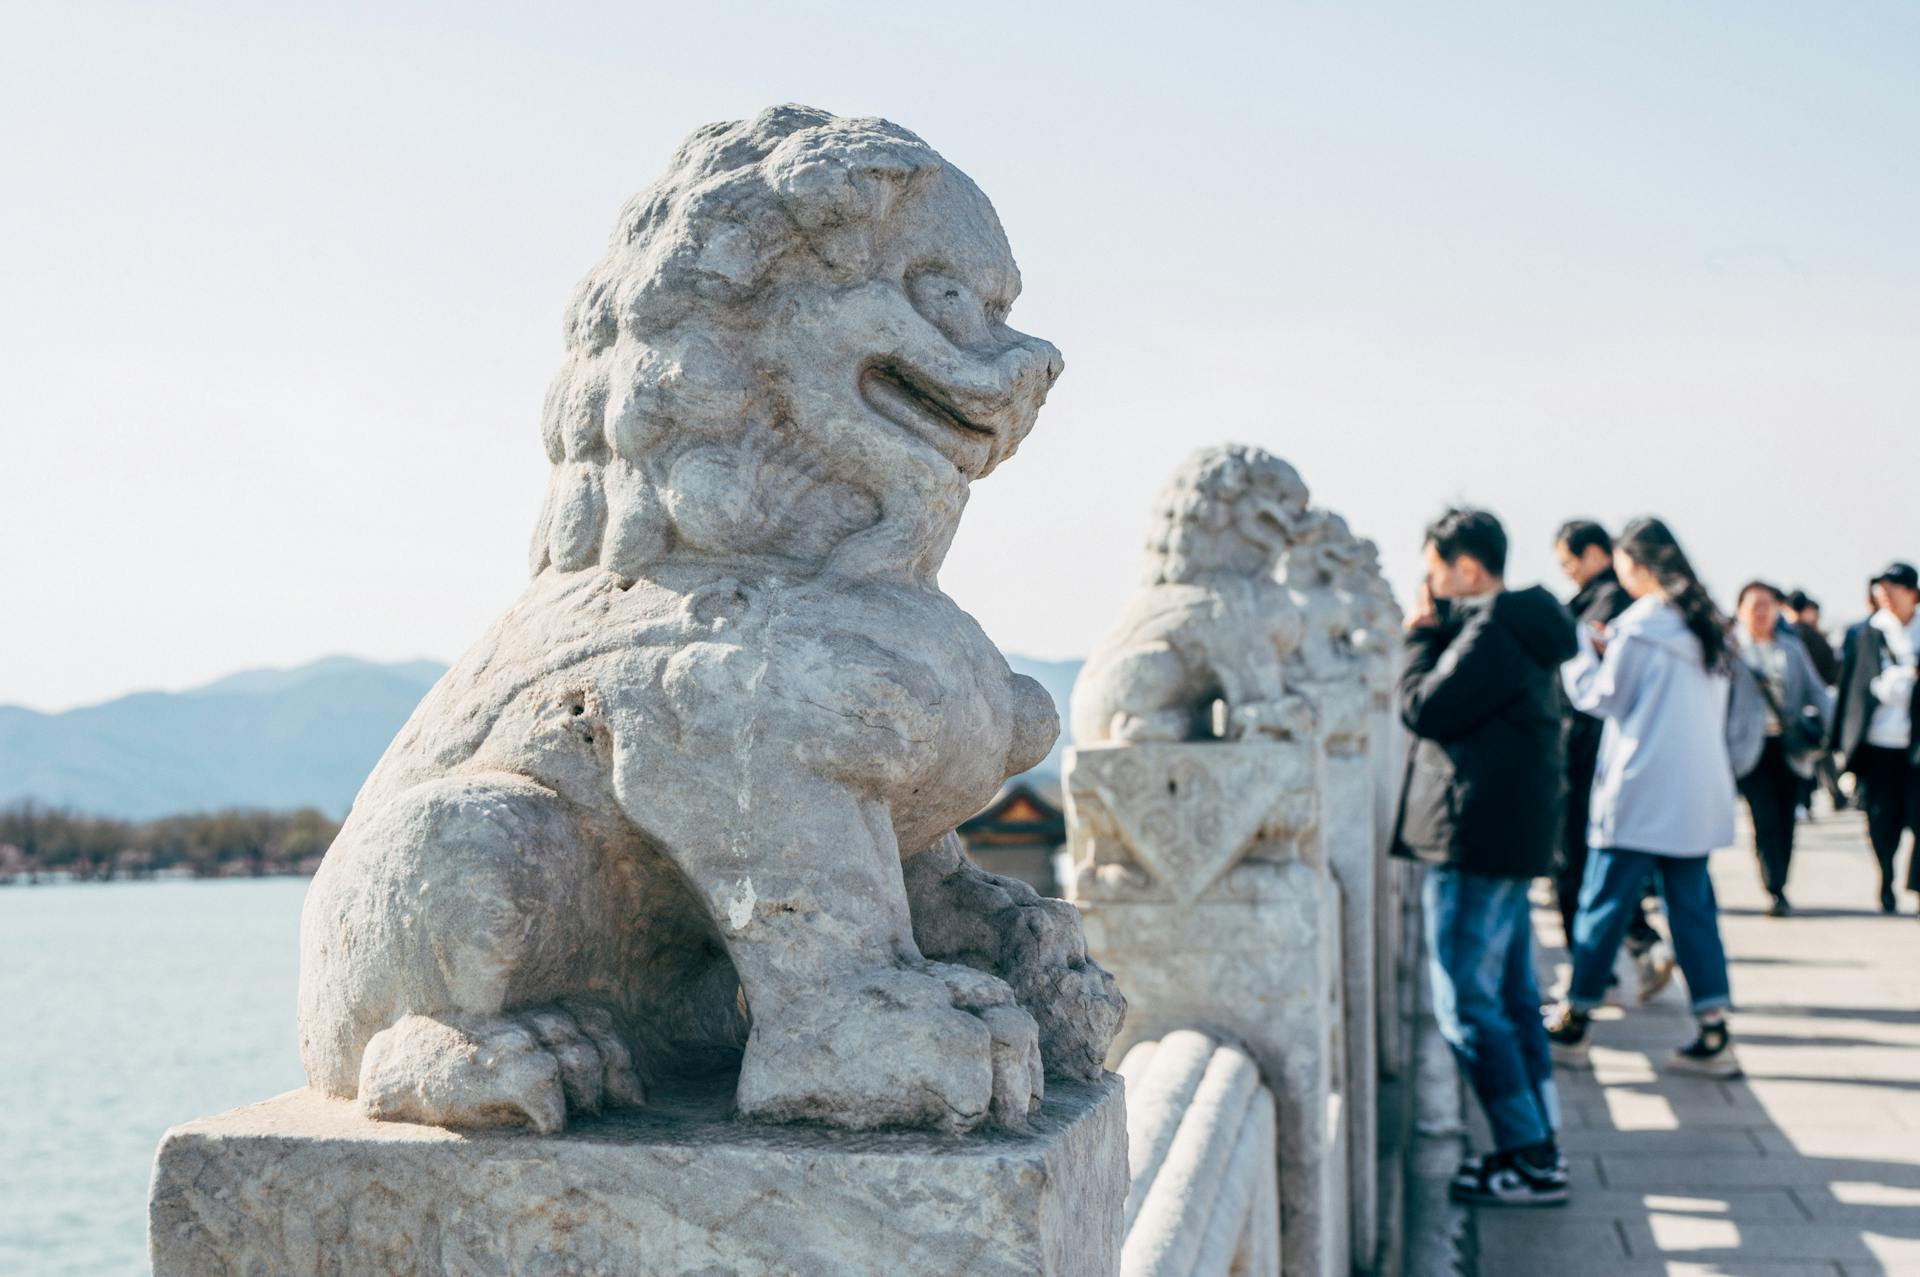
(949, 305)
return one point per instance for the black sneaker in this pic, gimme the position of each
(1567, 1035)
(1710, 1054)
(1780, 908)
(1469, 1168)
(1508, 1179)
(1887, 902)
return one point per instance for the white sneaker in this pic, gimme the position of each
(1654, 969)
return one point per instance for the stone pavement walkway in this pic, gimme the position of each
(1808, 1164)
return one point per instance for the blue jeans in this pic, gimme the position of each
(1480, 947)
(1614, 882)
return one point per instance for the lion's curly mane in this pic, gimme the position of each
(663, 437)
(1202, 505)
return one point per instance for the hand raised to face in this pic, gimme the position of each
(1422, 615)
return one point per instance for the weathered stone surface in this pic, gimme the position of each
(303, 1186)
(657, 816)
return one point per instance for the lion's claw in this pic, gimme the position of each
(963, 914)
(529, 1068)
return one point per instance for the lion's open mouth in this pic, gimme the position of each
(893, 393)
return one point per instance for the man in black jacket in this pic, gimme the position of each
(1585, 552)
(1482, 807)
(1803, 614)
(1876, 721)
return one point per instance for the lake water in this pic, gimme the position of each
(124, 1009)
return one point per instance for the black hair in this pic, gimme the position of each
(1649, 543)
(1581, 535)
(1473, 532)
(1800, 601)
(1756, 584)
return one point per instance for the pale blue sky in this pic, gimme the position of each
(282, 291)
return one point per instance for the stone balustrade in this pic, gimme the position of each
(1229, 806)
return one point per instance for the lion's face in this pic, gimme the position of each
(1326, 554)
(797, 347)
(919, 357)
(1232, 508)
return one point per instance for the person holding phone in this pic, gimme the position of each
(1585, 551)
(1481, 807)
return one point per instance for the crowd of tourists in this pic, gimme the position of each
(1604, 744)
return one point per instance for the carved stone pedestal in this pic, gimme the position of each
(301, 1186)
(1204, 888)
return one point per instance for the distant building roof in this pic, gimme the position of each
(1019, 814)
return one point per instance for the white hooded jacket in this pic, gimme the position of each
(1663, 783)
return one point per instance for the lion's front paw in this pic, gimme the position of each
(530, 1068)
(936, 1045)
(962, 913)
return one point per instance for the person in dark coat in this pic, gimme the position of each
(1876, 724)
(1585, 552)
(1482, 807)
(1803, 614)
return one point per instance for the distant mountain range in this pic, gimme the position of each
(275, 738)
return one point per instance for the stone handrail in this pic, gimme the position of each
(1201, 1153)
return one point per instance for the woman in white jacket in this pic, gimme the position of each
(1662, 793)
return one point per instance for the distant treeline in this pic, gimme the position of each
(36, 840)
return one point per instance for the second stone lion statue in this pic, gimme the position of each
(665, 814)
(1212, 630)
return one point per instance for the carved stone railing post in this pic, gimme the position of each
(1204, 887)
(1229, 802)
(1353, 859)
(1333, 578)
(1386, 756)
(1377, 645)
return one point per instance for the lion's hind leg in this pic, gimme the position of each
(448, 955)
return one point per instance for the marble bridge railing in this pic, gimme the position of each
(1240, 893)
(1205, 1194)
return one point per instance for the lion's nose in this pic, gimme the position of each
(1055, 364)
(1035, 363)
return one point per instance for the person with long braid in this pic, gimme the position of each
(1663, 789)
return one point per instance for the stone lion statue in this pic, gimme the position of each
(663, 818)
(1335, 581)
(1199, 651)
